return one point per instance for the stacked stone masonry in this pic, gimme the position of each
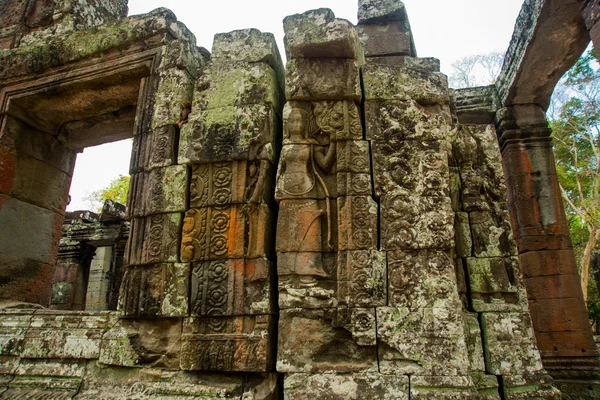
(341, 227)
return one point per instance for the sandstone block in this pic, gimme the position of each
(381, 10)
(385, 82)
(462, 231)
(369, 385)
(327, 342)
(474, 342)
(162, 190)
(232, 287)
(339, 119)
(234, 182)
(73, 336)
(361, 278)
(249, 45)
(492, 234)
(510, 344)
(386, 38)
(416, 222)
(229, 133)
(350, 184)
(160, 290)
(13, 328)
(154, 239)
(357, 223)
(422, 279)
(175, 87)
(413, 341)
(405, 120)
(496, 284)
(317, 33)
(237, 84)
(443, 388)
(227, 344)
(134, 343)
(214, 233)
(410, 168)
(322, 79)
(353, 156)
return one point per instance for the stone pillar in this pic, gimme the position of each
(35, 174)
(98, 280)
(546, 256)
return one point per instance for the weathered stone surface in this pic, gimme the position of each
(154, 239)
(362, 278)
(366, 385)
(158, 290)
(416, 222)
(227, 344)
(534, 386)
(249, 45)
(410, 168)
(412, 341)
(174, 88)
(385, 82)
(143, 343)
(462, 237)
(322, 79)
(317, 33)
(386, 39)
(357, 223)
(476, 105)
(421, 279)
(443, 387)
(381, 10)
(237, 182)
(495, 284)
(405, 120)
(428, 64)
(232, 288)
(161, 190)
(340, 120)
(237, 84)
(353, 156)
(219, 232)
(229, 133)
(327, 341)
(492, 234)
(510, 345)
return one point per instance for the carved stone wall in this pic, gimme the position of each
(336, 229)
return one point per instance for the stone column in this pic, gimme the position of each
(546, 256)
(98, 284)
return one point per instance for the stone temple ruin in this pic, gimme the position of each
(344, 227)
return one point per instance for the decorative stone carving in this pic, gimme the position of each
(304, 159)
(362, 278)
(231, 287)
(227, 344)
(161, 190)
(322, 79)
(158, 290)
(154, 239)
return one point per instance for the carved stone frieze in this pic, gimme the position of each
(227, 344)
(322, 79)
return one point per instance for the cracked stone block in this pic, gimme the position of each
(509, 344)
(136, 343)
(318, 341)
(414, 341)
(318, 33)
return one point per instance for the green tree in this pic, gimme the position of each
(116, 191)
(575, 124)
(477, 70)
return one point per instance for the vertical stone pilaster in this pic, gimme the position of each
(560, 319)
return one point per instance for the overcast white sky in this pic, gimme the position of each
(445, 29)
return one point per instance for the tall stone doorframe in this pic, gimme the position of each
(336, 229)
